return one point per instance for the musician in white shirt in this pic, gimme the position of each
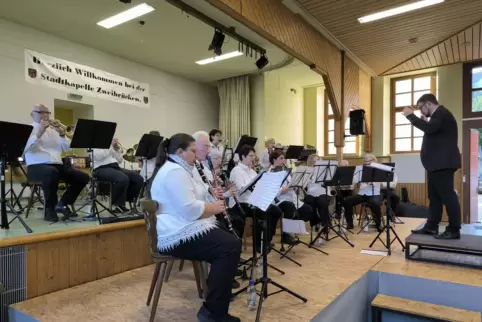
(126, 184)
(288, 200)
(264, 159)
(241, 176)
(43, 156)
(316, 196)
(186, 226)
(368, 193)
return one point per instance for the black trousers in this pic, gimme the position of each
(50, 174)
(126, 184)
(271, 216)
(394, 198)
(320, 212)
(222, 250)
(289, 210)
(441, 192)
(374, 202)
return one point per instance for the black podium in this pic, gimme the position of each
(90, 135)
(13, 139)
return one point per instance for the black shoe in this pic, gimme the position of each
(51, 215)
(123, 208)
(235, 284)
(349, 225)
(289, 239)
(425, 231)
(64, 210)
(239, 272)
(448, 235)
(203, 315)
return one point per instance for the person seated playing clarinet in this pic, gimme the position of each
(44, 164)
(186, 225)
(316, 196)
(241, 176)
(288, 201)
(126, 184)
(369, 193)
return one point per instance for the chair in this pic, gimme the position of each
(149, 207)
(35, 188)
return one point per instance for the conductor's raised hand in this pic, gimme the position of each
(407, 111)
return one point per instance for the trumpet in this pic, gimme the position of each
(61, 128)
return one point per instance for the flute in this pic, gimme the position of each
(225, 214)
(210, 164)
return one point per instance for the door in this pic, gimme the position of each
(474, 175)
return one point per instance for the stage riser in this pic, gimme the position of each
(359, 296)
(12, 276)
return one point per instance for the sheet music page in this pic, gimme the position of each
(297, 177)
(266, 189)
(358, 174)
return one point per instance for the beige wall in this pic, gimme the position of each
(310, 120)
(449, 94)
(256, 83)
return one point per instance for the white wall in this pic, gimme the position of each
(283, 108)
(177, 104)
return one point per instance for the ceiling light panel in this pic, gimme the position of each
(125, 16)
(399, 10)
(218, 58)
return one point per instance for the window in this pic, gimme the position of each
(406, 91)
(476, 89)
(351, 142)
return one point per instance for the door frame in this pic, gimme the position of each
(466, 126)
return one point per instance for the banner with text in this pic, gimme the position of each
(79, 79)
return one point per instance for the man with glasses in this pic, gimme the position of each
(44, 164)
(440, 156)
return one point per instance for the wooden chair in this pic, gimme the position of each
(149, 207)
(35, 188)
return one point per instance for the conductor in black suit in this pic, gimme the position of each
(440, 156)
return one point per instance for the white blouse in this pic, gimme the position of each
(181, 204)
(106, 156)
(264, 160)
(241, 176)
(290, 195)
(47, 149)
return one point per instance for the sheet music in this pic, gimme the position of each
(267, 189)
(248, 186)
(324, 170)
(294, 226)
(301, 177)
(358, 174)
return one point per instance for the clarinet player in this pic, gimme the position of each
(186, 226)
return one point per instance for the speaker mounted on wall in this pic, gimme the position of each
(357, 122)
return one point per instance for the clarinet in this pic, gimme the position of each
(225, 214)
(238, 205)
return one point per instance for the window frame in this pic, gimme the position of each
(467, 90)
(394, 110)
(327, 131)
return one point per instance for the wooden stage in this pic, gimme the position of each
(321, 279)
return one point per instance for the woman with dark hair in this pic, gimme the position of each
(186, 225)
(288, 201)
(241, 176)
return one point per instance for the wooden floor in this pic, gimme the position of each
(321, 279)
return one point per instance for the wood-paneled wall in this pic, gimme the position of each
(63, 259)
(275, 22)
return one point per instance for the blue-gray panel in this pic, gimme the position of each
(13, 277)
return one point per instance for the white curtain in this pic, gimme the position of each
(234, 111)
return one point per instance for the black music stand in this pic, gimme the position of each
(146, 150)
(343, 177)
(373, 175)
(305, 154)
(90, 135)
(264, 280)
(245, 140)
(11, 148)
(395, 219)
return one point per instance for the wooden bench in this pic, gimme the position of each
(432, 312)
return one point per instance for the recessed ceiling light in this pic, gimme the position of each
(218, 58)
(399, 10)
(125, 16)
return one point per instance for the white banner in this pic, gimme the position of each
(79, 79)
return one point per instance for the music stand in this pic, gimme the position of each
(305, 154)
(268, 195)
(382, 173)
(90, 135)
(245, 140)
(11, 148)
(146, 150)
(395, 219)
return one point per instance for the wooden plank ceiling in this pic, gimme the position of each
(462, 47)
(384, 44)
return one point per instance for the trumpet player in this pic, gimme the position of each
(126, 184)
(44, 164)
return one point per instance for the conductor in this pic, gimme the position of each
(440, 156)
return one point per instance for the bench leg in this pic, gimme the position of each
(376, 314)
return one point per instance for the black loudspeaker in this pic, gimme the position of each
(357, 122)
